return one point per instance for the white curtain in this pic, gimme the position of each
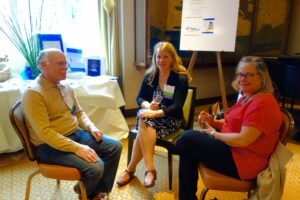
(109, 39)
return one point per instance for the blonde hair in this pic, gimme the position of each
(262, 70)
(176, 66)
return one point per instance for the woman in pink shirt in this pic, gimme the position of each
(248, 136)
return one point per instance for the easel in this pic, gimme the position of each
(220, 72)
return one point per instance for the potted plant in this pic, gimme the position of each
(21, 31)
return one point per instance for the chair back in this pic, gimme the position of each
(47, 170)
(189, 108)
(18, 122)
(287, 125)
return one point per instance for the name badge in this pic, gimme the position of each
(168, 91)
(70, 103)
(67, 99)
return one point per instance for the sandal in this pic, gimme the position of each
(150, 183)
(125, 178)
(99, 196)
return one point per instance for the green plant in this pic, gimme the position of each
(21, 31)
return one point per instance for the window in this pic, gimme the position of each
(76, 20)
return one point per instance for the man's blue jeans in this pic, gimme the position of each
(97, 177)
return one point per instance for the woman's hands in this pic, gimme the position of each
(204, 119)
(210, 131)
(154, 106)
(148, 113)
(150, 109)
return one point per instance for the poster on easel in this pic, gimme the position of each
(209, 25)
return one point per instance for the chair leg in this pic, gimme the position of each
(203, 193)
(82, 190)
(29, 183)
(170, 165)
(130, 145)
(249, 194)
(57, 182)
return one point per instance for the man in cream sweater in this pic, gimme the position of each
(61, 131)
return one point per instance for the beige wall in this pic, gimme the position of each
(207, 82)
(205, 79)
(131, 77)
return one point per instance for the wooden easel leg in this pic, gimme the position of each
(220, 72)
(221, 81)
(192, 62)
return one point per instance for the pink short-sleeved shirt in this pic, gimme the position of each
(263, 112)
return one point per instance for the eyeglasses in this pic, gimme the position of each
(61, 63)
(246, 75)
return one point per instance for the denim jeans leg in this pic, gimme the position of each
(109, 150)
(91, 173)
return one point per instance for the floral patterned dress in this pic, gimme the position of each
(163, 125)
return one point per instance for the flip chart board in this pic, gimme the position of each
(209, 25)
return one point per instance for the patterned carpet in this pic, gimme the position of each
(14, 171)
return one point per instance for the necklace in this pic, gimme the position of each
(248, 98)
(163, 79)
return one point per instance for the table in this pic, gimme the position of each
(100, 97)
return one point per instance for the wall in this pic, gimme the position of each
(205, 79)
(132, 77)
(207, 82)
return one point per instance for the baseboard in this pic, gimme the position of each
(199, 102)
(129, 112)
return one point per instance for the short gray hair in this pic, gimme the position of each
(262, 70)
(41, 57)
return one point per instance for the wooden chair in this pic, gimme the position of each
(169, 141)
(213, 180)
(50, 171)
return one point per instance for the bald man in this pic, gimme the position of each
(61, 131)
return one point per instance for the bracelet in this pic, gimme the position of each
(147, 106)
(212, 134)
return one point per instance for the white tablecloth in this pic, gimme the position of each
(100, 97)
